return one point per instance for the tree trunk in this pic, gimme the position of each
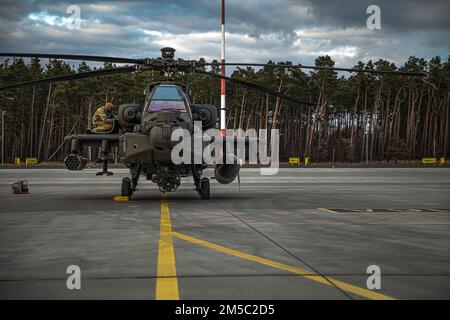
(44, 119)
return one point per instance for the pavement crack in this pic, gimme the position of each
(290, 253)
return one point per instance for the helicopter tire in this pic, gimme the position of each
(205, 189)
(126, 187)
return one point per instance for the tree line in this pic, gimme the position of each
(378, 117)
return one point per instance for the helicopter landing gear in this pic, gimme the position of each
(126, 187)
(201, 184)
(135, 173)
(204, 189)
(129, 184)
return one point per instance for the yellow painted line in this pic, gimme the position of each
(166, 281)
(121, 198)
(327, 210)
(302, 272)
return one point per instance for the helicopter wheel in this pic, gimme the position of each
(204, 189)
(126, 187)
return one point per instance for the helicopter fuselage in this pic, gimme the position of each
(145, 139)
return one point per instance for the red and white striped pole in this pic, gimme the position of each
(223, 122)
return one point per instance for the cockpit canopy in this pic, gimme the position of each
(166, 97)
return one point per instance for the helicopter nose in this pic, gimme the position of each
(160, 136)
(160, 140)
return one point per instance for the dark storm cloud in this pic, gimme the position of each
(295, 30)
(398, 15)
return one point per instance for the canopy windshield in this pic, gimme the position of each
(166, 98)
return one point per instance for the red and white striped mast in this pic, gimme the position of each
(223, 122)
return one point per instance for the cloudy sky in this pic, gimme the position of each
(257, 30)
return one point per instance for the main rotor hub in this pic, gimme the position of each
(168, 53)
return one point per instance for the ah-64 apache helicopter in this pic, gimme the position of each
(143, 133)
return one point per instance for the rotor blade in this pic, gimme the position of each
(257, 87)
(300, 66)
(76, 76)
(72, 57)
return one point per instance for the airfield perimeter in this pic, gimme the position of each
(295, 235)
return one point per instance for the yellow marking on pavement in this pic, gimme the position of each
(121, 198)
(327, 210)
(166, 282)
(302, 272)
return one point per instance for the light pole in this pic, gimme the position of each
(3, 128)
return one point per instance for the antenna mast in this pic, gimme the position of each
(223, 122)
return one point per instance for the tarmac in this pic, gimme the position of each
(305, 233)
